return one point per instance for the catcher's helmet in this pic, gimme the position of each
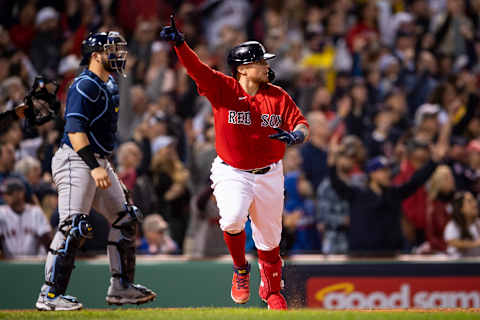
(247, 52)
(112, 43)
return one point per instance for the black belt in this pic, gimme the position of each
(253, 171)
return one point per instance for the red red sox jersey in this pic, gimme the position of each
(243, 122)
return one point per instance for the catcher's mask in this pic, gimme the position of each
(41, 101)
(113, 44)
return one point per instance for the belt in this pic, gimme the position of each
(253, 171)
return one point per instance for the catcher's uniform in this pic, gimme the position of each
(92, 108)
(247, 175)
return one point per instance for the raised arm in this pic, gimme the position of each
(205, 77)
(343, 190)
(423, 174)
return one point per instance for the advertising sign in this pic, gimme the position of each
(393, 292)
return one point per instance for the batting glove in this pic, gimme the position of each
(289, 137)
(170, 33)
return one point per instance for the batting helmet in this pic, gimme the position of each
(247, 52)
(112, 43)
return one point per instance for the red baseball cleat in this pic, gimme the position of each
(241, 284)
(276, 301)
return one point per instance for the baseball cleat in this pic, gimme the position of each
(58, 303)
(276, 301)
(240, 292)
(132, 294)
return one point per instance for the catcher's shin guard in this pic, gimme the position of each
(121, 244)
(61, 255)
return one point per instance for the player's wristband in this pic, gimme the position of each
(86, 153)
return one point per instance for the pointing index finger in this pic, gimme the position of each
(172, 21)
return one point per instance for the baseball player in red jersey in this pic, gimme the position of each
(253, 121)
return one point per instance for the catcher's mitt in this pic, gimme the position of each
(41, 101)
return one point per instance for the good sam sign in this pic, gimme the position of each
(393, 292)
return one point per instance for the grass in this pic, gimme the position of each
(240, 314)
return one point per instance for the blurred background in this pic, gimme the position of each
(384, 78)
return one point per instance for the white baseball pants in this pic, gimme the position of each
(240, 194)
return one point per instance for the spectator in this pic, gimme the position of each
(159, 78)
(15, 91)
(314, 153)
(441, 188)
(470, 178)
(375, 210)
(380, 141)
(7, 163)
(156, 239)
(29, 168)
(45, 49)
(202, 156)
(129, 157)
(299, 212)
(462, 233)
(204, 237)
(333, 212)
(24, 229)
(169, 179)
(48, 199)
(23, 32)
(415, 206)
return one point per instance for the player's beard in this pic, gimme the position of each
(106, 65)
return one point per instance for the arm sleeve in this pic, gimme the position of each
(81, 100)
(75, 124)
(418, 179)
(209, 81)
(343, 190)
(292, 114)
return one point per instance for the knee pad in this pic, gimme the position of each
(70, 236)
(121, 244)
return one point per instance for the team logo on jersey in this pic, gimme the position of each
(116, 109)
(239, 117)
(271, 120)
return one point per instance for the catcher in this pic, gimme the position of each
(85, 179)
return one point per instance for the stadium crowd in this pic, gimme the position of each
(390, 89)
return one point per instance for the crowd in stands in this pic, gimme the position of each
(390, 89)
